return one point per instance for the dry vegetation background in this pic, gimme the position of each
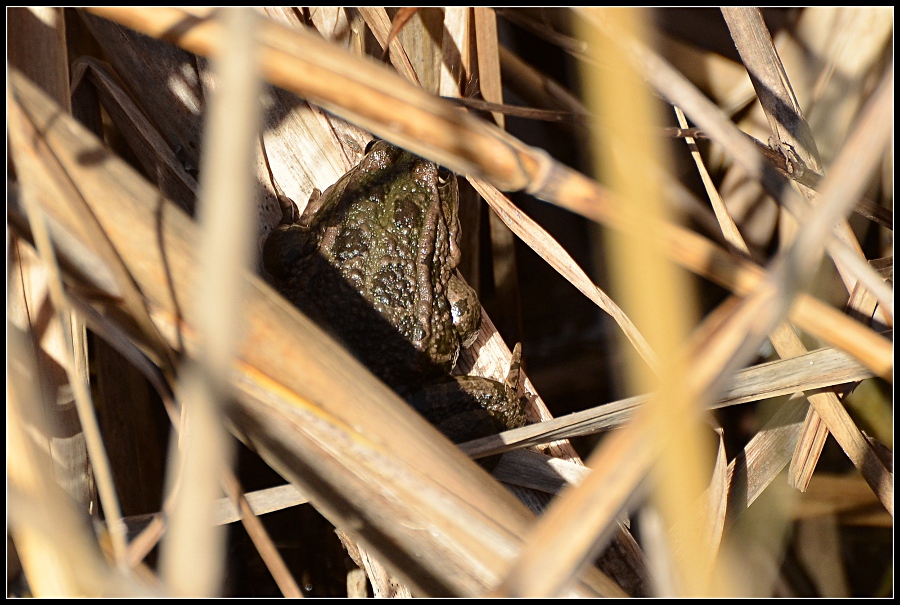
(674, 226)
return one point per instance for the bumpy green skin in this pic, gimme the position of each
(468, 407)
(373, 260)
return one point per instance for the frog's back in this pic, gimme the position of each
(379, 277)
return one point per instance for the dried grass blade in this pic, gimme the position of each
(37, 46)
(631, 454)
(74, 362)
(152, 151)
(543, 91)
(860, 156)
(827, 411)
(679, 91)
(575, 192)
(541, 30)
(537, 471)
(201, 454)
(369, 94)
(23, 134)
(490, 85)
(763, 458)
(640, 267)
(226, 511)
(456, 55)
(260, 502)
(483, 75)
(55, 546)
(547, 115)
(725, 339)
(53, 179)
(113, 334)
(386, 33)
(52, 537)
(595, 504)
(783, 338)
(773, 88)
(549, 249)
(537, 88)
(793, 133)
(856, 265)
(400, 19)
(723, 216)
(334, 23)
(384, 584)
(175, 110)
(716, 500)
(305, 148)
(711, 514)
(819, 369)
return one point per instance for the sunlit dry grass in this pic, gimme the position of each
(411, 510)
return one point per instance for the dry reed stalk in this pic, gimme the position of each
(60, 348)
(347, 485)
(202, 454)
(808, 372)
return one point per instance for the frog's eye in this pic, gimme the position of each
(371, 144)
(444, 175)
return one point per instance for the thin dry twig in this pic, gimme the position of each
(274, 563)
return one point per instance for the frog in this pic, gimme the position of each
(373, 261)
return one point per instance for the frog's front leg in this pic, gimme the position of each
(285, 247)
(470, 407)
(294, 238)
(465, 309)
